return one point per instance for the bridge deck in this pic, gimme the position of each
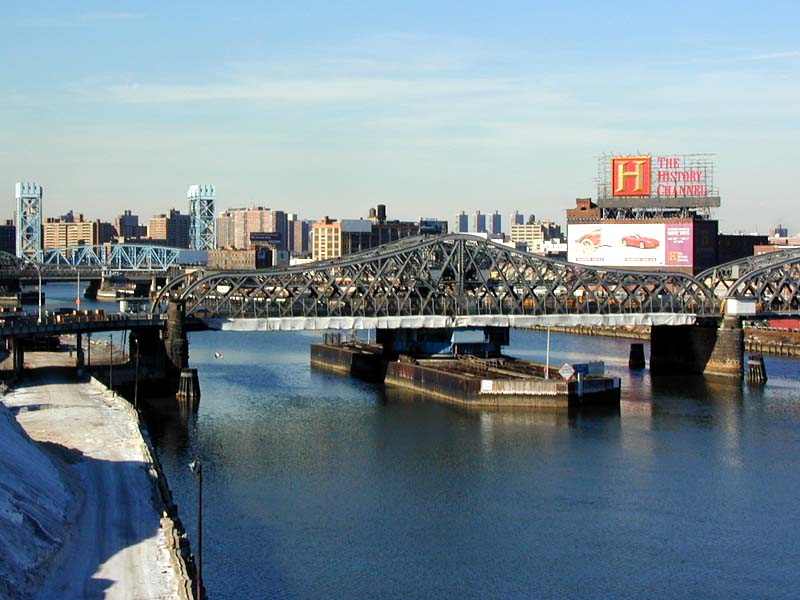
(418, 322)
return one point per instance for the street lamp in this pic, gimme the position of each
(111, 362)
(197, 468)
(136, 377)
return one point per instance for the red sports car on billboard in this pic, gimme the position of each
(639, 241)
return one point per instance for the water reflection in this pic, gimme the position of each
(322, 486)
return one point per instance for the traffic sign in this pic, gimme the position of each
(566, 371)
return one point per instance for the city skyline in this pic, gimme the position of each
(461, 107)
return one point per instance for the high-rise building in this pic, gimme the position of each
(127, 226)
(29, 219)
(202, 226)
(780, 232)
(224, 230)
(496, 224)
(332, 239)
(517, 218)
(8, 237)
(534, 235)
(105, 232)
(298, 235)
(172, 229)
(235, 225)
(70, 230)
(327, 239)
(462, 222)
(478, 222)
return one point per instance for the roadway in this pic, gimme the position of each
(117, 548)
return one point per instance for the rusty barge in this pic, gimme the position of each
(489, 381)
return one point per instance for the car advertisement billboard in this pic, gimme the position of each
(631, 244)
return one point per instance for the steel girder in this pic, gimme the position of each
(113, 257)
(9, 262)
(720, 279)
(776, 286)
(452, 275)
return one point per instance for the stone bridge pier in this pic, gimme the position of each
(709, 347)
(176, 344)
(152, 355)
(176, 349)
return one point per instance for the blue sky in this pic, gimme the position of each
(329, 108)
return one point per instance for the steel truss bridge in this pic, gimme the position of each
(463, 280)
(94, 260)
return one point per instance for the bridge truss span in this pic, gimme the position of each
(776, 285)
(113, 257)
(456, 276)
(722, 278)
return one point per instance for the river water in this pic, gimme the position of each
(320, 486)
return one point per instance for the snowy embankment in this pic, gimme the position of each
(81, 512)
(38, 502)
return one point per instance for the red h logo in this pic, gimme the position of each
(630, 176)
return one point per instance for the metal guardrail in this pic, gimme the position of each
(16, 324)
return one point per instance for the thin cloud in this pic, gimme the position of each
(79, 20)
(110, 16)
(772, 55)
(314, 90)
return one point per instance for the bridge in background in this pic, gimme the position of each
(94, 261)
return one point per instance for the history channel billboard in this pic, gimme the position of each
(656, 178)
(631, 244)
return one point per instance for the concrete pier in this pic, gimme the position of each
(710, 348)
(175, 342)
(189, 389)
(756, 372)
(636, 356)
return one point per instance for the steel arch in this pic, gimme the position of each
(720, 279)
(453, 275)
(776, 286)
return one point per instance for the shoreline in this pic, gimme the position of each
(773, 342)
(141, 547)
(176, 537)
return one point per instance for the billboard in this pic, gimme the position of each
(631, 244)
(265, 237)
(657, 177)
